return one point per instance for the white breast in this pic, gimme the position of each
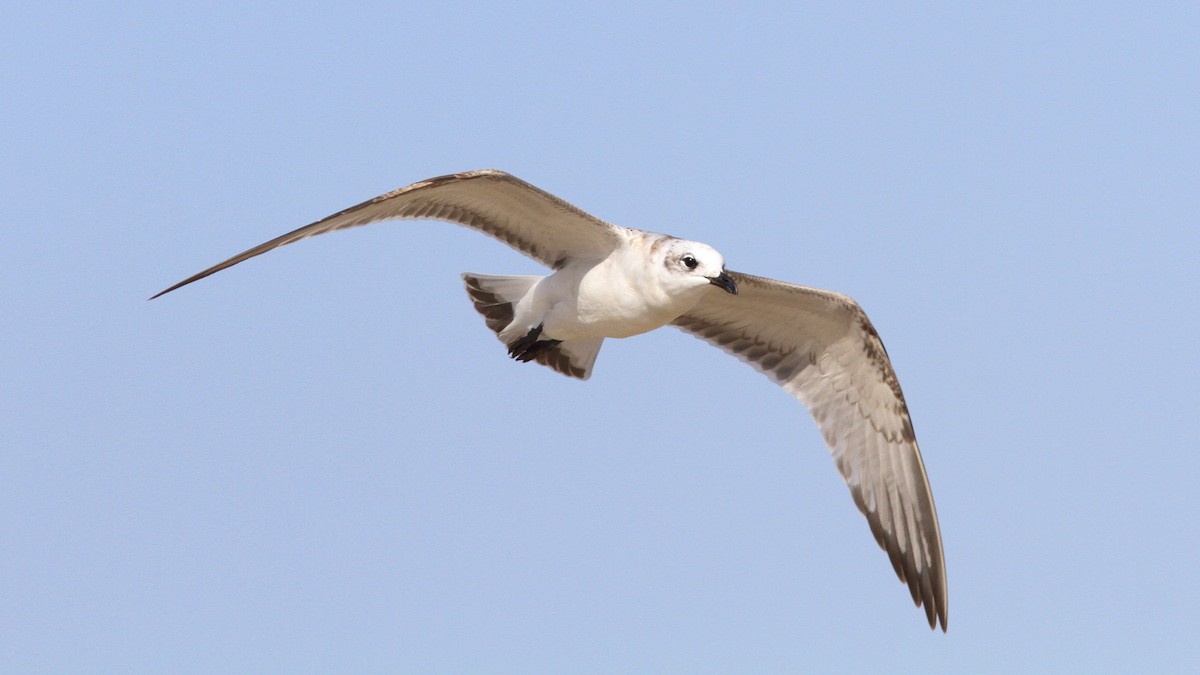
(616, 297)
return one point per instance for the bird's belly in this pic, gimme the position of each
(610, 313)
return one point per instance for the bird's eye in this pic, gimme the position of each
(689, 262)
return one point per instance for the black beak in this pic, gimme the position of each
(724, 281)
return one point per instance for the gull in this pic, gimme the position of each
(615, 282)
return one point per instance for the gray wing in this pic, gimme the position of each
(822, 349)
(526, 218)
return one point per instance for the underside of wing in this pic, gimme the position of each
(822, 349)
(526, 218)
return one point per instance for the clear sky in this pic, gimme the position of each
(322, 461)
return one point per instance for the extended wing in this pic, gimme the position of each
(823, 350)
(526, 218)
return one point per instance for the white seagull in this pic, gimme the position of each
(614, 282)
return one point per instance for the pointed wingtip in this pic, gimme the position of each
(165, 291)
(936, 616)
(197, 277)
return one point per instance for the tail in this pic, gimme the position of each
(494, 297)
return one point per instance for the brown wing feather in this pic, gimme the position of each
(525, 217)
(821, 348)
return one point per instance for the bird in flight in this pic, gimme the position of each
(614, 282)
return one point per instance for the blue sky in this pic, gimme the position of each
(322, 461)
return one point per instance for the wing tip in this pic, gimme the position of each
(935, 612)
(185, 282)
(160, 293)
(934, 600)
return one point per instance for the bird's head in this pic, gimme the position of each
(691, 264)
